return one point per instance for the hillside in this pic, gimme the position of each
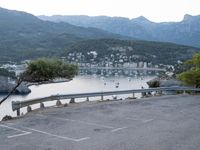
(185, 32)
(134, 50)
(25, 36)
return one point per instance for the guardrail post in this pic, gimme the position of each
(58, 103)
(72, 100)
(144, 94)
(102, 97)
(42, 105)
(184, 92)
(87, 99)
(29, 109)
(16, 106)
(134, 95)
(18, 112)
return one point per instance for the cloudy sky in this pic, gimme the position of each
(155, 10)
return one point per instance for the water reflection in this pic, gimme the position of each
(80, 84)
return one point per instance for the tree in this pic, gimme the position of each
(192, 76)
(42, 70)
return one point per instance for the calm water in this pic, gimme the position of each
(79, 84)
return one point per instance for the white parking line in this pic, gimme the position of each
(118, 129)
(58, 136)
(17, 135)
(134, 119)
(88, 123)
(148, 120)
(15, 129)
(82, 122)
(142, 120)
(12, 128)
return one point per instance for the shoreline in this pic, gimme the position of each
(47, 82)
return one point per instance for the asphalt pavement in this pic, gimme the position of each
(156, 123)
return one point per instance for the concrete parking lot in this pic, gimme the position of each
(156, 123)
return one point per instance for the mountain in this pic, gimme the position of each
(186, 32)
(24, 35)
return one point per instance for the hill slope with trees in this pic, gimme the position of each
(24, 36)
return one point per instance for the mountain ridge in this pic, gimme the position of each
(186, 32)
(24, 36)
(24, 33)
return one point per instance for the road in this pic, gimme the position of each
(156, 123)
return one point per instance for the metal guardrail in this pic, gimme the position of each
(17, 105)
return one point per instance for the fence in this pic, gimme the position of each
(17, 105)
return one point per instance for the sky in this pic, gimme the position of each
(154, 10)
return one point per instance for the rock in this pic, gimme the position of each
(72, 100)
(154, 83)
(29, 109)
(42, 105)
(6, 87)
(65, 105)
(6, 118)
(157, 82)
(58, 103)
(23, 89)
(170, 83)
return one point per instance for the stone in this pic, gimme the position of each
(65, 105)
(29, 109)
(58, 103)
(42, 105)
(6, 87)
(23, 89)
(72, 100)
(6, 118)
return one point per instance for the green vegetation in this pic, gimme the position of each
(192, 76)
(45, 70)
(156, 52)
(24, 36)
(48, 69)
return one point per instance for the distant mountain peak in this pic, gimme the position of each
(187, 17)
(141, 19)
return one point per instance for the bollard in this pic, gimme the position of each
(18, 112)
(72, 100)
(102, 97)
(134, 96)
(42, 105)
(29, 109)
(143, 94)
(87, 99)
(58, 103)
(184, 92)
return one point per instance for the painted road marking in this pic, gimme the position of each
(118, 129)
(58, 136)
(142, 120)
(17, 135)
(15, 129)
(148, 120)
(82, 122)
